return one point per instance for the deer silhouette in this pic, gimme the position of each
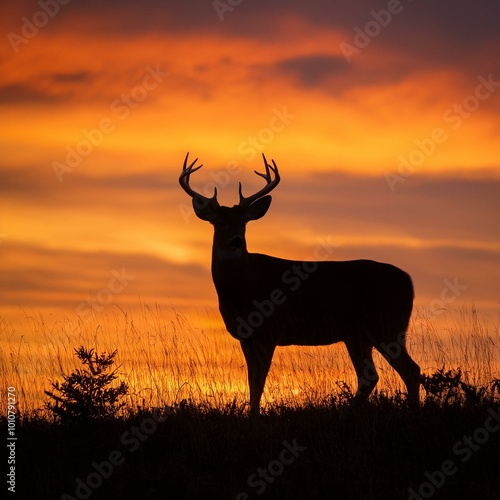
(267, 301)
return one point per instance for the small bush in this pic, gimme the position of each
(87, 395)
(448, 388)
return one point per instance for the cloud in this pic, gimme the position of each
(111, 43)
(470, 23)
(37, 276)
(22, 93)
(313, 70)
(422, 207)
(78, 77)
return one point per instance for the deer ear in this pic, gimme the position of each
(205, 208)
(258, 208)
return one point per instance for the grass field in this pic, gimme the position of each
(185, 431)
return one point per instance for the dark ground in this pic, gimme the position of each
(379, 452)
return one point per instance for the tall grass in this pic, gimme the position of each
(165, 358)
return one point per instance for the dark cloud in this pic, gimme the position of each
(313, 70)
(422, 207)
(76, 77)
(25, 93)
(460, 36)
(42, 184)
(334, 75)
(27, 181)
(427, 207)
(460, 21)
(47, 88)
(147, 181)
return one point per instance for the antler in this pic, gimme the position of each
(271, 183)
(184, 181)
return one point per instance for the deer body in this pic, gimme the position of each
(267, 301)
(312, 303)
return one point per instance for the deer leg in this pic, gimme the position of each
(361, 356)
(258, 358)
(408, 370)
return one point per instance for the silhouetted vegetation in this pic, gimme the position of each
(191, 450)
(448, 387)
(87, 394)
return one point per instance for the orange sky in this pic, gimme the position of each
(100, 101)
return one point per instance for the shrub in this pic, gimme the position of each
(86, 394)
(448, 387)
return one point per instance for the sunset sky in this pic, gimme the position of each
(383, 118)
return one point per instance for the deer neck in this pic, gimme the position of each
(230, 270)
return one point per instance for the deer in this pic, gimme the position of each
(267, 301)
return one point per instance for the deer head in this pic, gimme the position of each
(230, 222)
